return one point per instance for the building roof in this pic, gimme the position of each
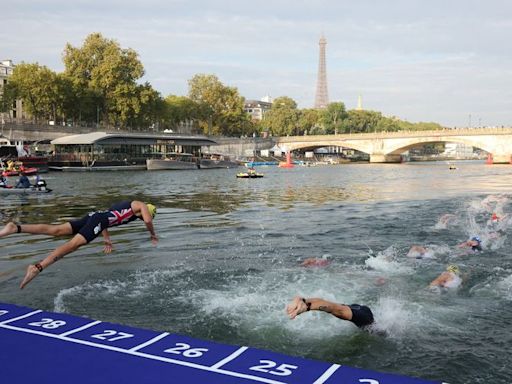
(257, 103)
(125, 138)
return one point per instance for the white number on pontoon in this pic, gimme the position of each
(185, 350)
(106, 335)
(3, 312)
(369, 381)
(266, 365)
(48, 323)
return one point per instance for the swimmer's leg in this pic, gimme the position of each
(37, 229)
(8, 229)
(47, 229)
(33, 270)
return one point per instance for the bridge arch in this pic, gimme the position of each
(315, 145)
(399, 149)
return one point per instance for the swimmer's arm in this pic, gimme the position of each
(108, 242)
(146, 217)
(300, 305)
(439, 281)
(151, 229)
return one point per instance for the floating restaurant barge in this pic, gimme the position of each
(111, 151)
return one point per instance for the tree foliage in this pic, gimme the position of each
(39, 87)
(283, 117)
(106, 76)
(221, 107)
(332, 117)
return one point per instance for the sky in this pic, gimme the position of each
(442, 61)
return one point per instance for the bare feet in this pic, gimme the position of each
(9, 229)
(31, 273)
(296, 307)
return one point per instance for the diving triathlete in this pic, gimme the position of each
(360, 315)
(84, 230)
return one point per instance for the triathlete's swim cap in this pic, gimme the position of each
(453, 268)
(152, 210)
(476, 238)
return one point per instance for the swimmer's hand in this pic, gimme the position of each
(107, 248)
(154, 240)
(296, 307)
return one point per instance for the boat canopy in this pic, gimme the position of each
(103, 138)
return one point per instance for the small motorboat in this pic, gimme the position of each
(250, 174)
(39, 187)
(33, 189)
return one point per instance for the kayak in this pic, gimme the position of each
(16, 172)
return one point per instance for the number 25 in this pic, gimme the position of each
(282, 370)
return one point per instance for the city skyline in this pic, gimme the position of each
(437, 61)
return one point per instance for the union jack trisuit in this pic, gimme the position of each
(91, 225)
(121, 213)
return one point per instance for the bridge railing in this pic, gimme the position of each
(395, 134)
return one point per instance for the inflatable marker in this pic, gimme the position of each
(46, 347)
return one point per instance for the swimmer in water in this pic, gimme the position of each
(445, 220)
(315, 262)
(360, 315)
(420, 252)
(84, 231)
(475, 243)
(448, 279)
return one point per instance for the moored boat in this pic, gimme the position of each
(173, 161)
(214, 160)
(101, 151)
(38, 162)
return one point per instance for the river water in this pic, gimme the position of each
(229, 254)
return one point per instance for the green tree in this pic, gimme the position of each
(309, 122)
(109, 74)
(283, 117)
(39, 88)
(361, 121)
(222, 106)
(333, 116)
(180, 109)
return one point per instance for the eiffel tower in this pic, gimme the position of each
(321, 98)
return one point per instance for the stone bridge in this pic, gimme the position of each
(387, 147)
(383, 147)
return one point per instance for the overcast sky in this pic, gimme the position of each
(446, 61)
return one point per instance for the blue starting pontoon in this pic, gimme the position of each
(46, 347)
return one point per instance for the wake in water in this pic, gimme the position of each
(387, 261)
